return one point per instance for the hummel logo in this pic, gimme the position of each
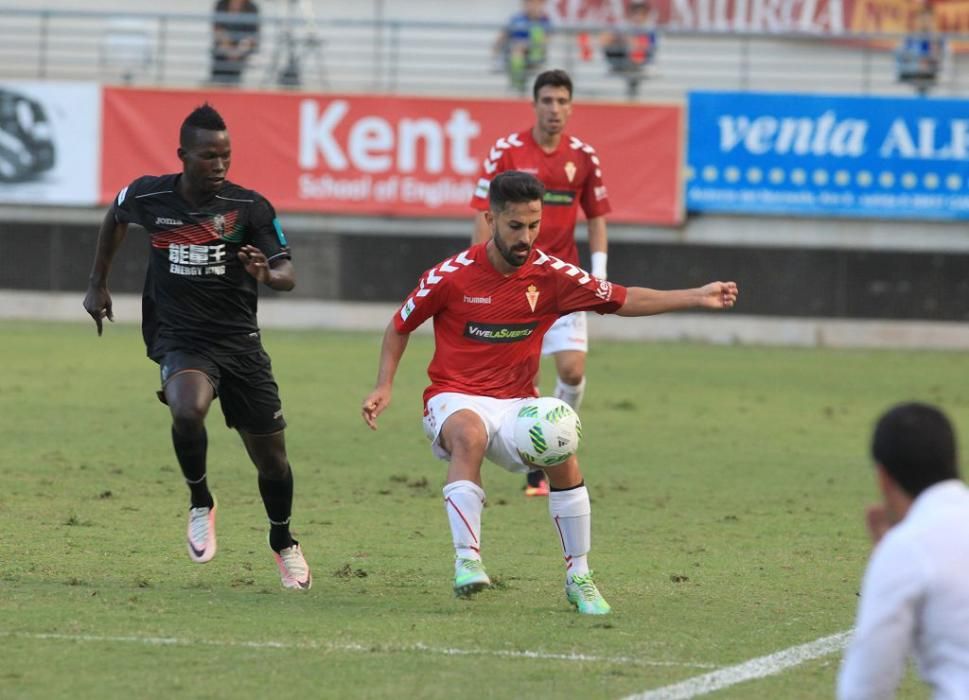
(162, 221)
(494, 155)
(476, 300)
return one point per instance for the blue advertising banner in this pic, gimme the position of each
(825, 155)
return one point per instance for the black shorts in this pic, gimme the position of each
(243, 382)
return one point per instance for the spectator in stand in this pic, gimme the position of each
(235, 38)
(631, 45)
(522, 46)
(918, 58)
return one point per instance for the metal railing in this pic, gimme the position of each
(410, 57)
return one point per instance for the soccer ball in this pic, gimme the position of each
(547, 432)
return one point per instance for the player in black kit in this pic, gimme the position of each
(211, 243)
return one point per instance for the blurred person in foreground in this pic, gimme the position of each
(522, 46)
(235, 37)
(212, 243)
(915, 594)
(491, 305)
(572, 175)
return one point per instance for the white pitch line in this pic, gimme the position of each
(419, 647)
(761, 667)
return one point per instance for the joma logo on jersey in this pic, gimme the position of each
(162, 221)
(499, 333)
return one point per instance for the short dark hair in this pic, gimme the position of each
(202, 117)
(553, 78)
(513, 187)
(916, 445)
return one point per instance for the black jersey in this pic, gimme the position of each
(197, 291)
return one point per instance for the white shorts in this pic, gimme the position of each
(568, 333)
(498, 416)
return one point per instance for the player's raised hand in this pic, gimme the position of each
(719, 295)
(97, 302)
(374, 405)
(255, 263)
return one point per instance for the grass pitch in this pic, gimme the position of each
(727, 483)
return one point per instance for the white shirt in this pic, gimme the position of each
(915, 598)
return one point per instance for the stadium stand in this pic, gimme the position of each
(418, 48)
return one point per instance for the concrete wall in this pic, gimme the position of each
(342, 265)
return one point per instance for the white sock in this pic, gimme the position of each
(464, 501)
(569, 393)
(572, 516)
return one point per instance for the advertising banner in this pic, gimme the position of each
(837, 19)
(49, 142)
(822, 17)
(819, 17)
(828, 155)
(394, 156)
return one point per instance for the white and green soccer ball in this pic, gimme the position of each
(547, 431)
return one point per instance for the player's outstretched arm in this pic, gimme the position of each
(391, 351)
(279, 275)
(641, 301)
(97, 300)
(598, 246)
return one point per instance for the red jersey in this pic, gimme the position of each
(572, 176)
(488, 327)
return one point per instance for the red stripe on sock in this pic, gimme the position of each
(568, 557)
(466, 523)
(561, 536)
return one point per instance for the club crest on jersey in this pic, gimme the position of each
(218, 223)
(570, 170)
(532, 295)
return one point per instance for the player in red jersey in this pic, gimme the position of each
(572, 175)
(492, 304)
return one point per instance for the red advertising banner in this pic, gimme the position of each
(781, 16)
(831, 18)
(384, 155)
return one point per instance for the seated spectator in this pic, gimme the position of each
(631, 46)
(522, 45)
(235, 38)
(919, 57)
